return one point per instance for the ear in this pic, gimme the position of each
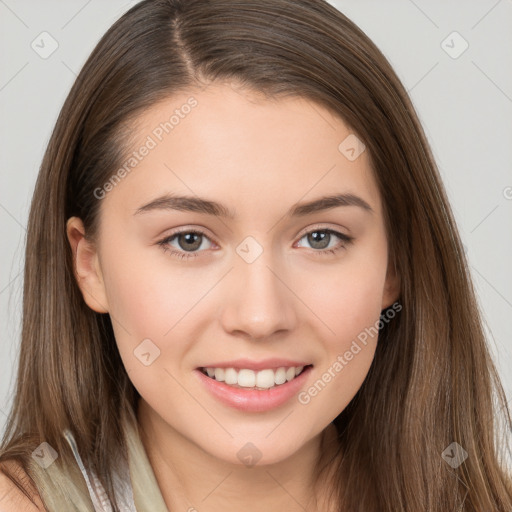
(86, 266)
(391, 287)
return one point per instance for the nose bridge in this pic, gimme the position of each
(259, 302)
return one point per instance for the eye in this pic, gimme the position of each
(321, 239)
(190, 241)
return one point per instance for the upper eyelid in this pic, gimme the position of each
(320, 227)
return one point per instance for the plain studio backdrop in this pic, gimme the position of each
(455, 59)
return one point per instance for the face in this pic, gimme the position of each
(191, 285)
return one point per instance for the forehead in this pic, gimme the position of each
(222, 142)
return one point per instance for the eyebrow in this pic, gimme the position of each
(208, 207)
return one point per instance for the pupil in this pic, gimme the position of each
(319, 237)
(191, 239)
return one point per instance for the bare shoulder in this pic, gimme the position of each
(12, 498)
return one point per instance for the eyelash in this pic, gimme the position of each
(187, 255)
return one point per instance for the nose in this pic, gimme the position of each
(258, 301)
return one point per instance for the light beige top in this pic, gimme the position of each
(136, 487)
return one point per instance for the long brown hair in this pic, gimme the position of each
(432, 382)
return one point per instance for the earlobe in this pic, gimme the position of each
(392, 287)
(86, 266)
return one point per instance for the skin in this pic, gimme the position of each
(259, 157)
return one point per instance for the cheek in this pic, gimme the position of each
(138, 302)
(153, 299)
(141, 305)
(145, 304)
(348, 303)
(147, 293)
(346, 298)
(353, 313)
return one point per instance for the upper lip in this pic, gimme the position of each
(272, 363)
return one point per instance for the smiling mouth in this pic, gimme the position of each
(250, 379)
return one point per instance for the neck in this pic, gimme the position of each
(190, 478)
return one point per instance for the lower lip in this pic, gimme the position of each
(254, 400)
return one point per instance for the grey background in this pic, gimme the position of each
(464, 103)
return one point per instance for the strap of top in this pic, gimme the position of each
(121, 481)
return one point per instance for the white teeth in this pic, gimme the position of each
(246, 378)
(280, 377)
(230, 376)
(263, 379)
(219, 374)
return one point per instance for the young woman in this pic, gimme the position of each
(244, 286)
